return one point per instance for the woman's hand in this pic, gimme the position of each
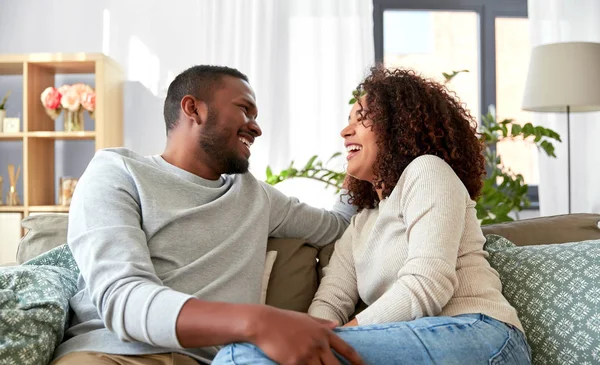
(352, 323)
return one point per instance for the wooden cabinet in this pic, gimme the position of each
(38, 132)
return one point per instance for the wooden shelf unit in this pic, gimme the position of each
(38, 135)
(12, 209)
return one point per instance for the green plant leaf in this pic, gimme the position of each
(548, 147)
(4, 100)
(515, 130)
(334, 156)
(504, 129)
(449, 77)
(528, 129)
(310, 162)
(269, 172)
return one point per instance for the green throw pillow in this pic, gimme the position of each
(34, 306)
(556, 291)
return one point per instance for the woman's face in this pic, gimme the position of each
(361, 144)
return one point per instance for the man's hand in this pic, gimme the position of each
(291, 338)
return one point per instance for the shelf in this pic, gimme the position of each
(11, 209)
(11, 68)
(42, 148)
(62, 135)
(62, 63)
(11, 136)
(49, 208)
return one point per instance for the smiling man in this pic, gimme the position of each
(171, 247)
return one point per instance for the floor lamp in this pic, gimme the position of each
(564, 77)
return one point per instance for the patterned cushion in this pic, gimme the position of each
(34, 306)
(555, 289)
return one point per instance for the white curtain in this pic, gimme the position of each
(303, 59)
(553, 21)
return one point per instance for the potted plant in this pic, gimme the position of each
(3, 109)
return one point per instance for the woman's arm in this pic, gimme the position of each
(432, 203)
(337, 295)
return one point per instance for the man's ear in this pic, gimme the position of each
(194, 109)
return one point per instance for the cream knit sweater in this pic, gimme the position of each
(418, 254)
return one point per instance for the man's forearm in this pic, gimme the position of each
(202, 323)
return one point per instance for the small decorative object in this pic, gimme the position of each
(11, 125)
(67, 188)
(72, 100)
(3, 109)
(12, 198)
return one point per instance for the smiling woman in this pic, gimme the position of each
(403, 116)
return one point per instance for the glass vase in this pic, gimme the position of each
(73, 120)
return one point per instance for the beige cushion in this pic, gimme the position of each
(547, 230)
(293, 281)
(45, 231)
(269, 262)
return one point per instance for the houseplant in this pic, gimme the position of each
(504, 191)
(3, 108)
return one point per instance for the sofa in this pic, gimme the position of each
(548, 266)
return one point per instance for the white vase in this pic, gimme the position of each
(2, 115)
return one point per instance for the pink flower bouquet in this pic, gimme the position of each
(72, 98)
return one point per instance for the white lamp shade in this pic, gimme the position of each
(561, 75)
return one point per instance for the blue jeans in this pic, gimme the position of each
(465, 339)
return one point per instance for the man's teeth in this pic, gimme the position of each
(353, 147)
(245, 141)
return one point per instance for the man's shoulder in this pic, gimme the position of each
(116, 155)
(117, 159)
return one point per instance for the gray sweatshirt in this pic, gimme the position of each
(148, 236)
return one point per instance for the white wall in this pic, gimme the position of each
(30, 26)
(325, 42)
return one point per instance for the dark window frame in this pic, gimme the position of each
(488, 11)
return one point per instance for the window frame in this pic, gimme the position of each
(488, 11)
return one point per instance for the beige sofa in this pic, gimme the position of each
(297, 269)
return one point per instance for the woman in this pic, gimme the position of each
(414, 253)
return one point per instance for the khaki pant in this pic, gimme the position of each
(99, 358)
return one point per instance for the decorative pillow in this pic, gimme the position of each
(293, 282)
(44, 232)
(269, 262)
(34, 306)
(556, 291)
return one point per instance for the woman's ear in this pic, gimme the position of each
(194, 109)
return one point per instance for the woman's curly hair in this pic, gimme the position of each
(414, 116)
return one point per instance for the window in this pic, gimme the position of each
(512, 60)
(487, 37)
(433, 42)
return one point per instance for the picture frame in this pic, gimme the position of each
(11, 125)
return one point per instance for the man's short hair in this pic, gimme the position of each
(200, 81)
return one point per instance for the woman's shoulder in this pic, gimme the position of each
(430, 171)
(430, 164)
(428, 167)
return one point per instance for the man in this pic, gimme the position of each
(171, 248)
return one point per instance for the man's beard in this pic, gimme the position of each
(214, 143)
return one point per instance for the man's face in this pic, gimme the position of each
(231, 126)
